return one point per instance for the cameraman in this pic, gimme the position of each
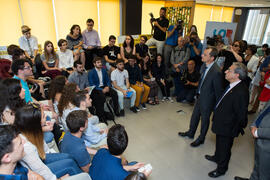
(191, 80)
(174, 31)
(195, 47)
(160, 26)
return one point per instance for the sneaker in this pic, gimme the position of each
(170, 99)
(133, 109)
(122, 112)
(137, 109)
(143, 106)
(163, 99)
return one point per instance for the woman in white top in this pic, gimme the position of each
(252, 60)
(38, 157)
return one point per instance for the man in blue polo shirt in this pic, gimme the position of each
(22, 69)
(107, 163)
(73, 144)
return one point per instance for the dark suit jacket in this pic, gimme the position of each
(94, 80)
(211, 89)
(230, 116)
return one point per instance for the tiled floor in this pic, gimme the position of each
(153, 139)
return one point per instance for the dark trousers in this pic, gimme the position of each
(223, 152)
(99, 99)
(186, 94)
(198, 115)
(262, 160)
(89, 56)
(165, 90)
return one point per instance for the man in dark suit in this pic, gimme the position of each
(99, 78)
(230, 117)
(208, 93)
(261, 133)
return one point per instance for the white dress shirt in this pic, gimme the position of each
(99, 72)
(65, 59)
(24, 44)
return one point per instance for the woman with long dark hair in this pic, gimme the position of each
(29, 120)
(127, 50)
(75, 42)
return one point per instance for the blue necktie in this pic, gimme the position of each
(201, 79)
(261, 116)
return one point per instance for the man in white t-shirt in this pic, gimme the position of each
(65, 56)
(121, 84)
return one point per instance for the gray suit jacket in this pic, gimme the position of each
(264, 127)
(212, 88)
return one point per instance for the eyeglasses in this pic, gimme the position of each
(235, 45)
(27, 68)
(90, 24)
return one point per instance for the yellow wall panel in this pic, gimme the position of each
(38, 15)
(69, 12)
(227, 14)
(201, 15)
(216, 16)
(109, 19)
(147, 7)
(10, 19)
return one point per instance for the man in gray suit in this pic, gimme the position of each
(260, 130)
(208, 93)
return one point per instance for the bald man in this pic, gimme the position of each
(179, 57)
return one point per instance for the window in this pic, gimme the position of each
(255, 27)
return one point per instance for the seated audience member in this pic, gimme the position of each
(174, 31)
(75, 42)
(141, 49)
(111, 53)
(5, 71)
(29, 120)
(190, 79)
(136, 82)
(195, 47)
(136, 176)
(55, 92)
(22, 70)
(79, 76)
(145, 66)
(65, 104)
(18, 53)
(73, 144)
(95, 134)
(65, 56)
(252, 61)
(120, 82)
(91, 44)
(159, 25)
(106, 163)
(50, 61)
(158, 72)
(28, 43)
(11, 152)
(99, 78)
(10, 50)
(12, 98)
(261, 51)
(127, 50)
(179, 57)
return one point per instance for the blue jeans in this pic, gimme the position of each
(61, 164)
(186, 94)
(178, 85)
(48, 137)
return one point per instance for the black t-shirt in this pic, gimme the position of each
(158, 34)
(142, 50)
(193, 77)
(111, 52)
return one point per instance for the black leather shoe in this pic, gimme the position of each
(210, 158)
(186, 134)
(122, 112)
(239, 178)
(196, 143)
(215, 174)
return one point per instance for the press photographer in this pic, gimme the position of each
(159, 26)
(195, 49)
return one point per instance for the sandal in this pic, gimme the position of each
(156, 100)
(151, 102)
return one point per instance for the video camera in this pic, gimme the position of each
(179, 25)
(152, 17)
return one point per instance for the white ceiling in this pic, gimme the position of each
(237, 3)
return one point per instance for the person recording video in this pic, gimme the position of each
(159, 26)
